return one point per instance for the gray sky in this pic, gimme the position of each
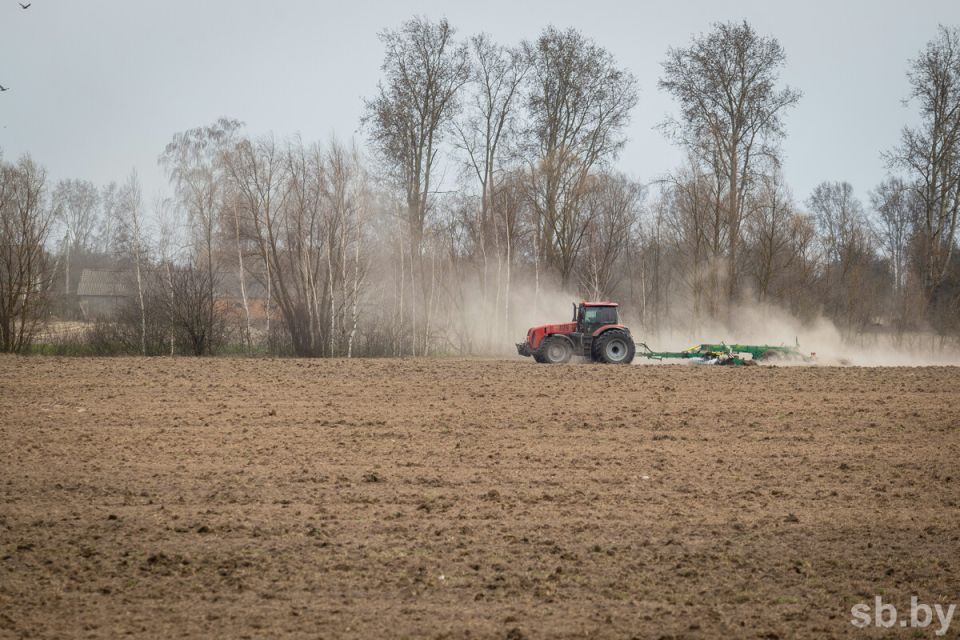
(98, 87)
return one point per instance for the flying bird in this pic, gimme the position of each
(25, 6)
(3, 88)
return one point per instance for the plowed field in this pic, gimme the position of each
(249, 498)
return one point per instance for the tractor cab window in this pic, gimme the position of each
(597, 316)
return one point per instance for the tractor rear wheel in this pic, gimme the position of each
(555, 350)
(614, 347)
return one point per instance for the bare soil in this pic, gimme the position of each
(247, 498)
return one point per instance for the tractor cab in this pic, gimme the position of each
(590, 316)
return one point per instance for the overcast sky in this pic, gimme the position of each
(98, 87)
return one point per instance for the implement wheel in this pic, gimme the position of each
(614, 347)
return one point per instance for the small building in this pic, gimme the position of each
(100, 294)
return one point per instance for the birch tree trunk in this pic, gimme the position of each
(241, 275)
(399, 324)
(143, 311)
(356, 284)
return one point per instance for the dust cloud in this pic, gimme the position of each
(751, 323)
(820, 339)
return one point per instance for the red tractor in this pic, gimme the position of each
(595, 333)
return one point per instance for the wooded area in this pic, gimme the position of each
(487, 186)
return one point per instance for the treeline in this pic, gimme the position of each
(488, 186)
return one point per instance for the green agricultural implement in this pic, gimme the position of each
(731, 354)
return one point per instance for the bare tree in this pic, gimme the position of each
(283, 192)
(168, 231)
(360, 196)
(109, 235)
(844, 234)
(344, 195)
(613, 205)
(770, 230)
(26, 271)
(649, 275)
(899, 211)
(840, 219)
(76, 203)
(695, 223)
(579, 102)
(232, 211)
(511, 206)
(800, 293)
(194, 163)
(731, 112)
(930, 152)
(131, 225)
(483, 135)
(256, 172)
(187, 308)
(410, 116)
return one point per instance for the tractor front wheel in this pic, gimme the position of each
(614, 347)
(556, 350)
